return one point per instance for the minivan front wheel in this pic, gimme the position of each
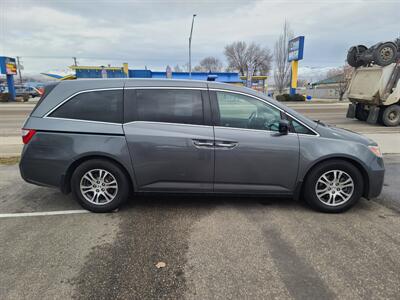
(99, 185)
(333, 186)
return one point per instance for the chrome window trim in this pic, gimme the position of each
(167, 123)
(174, 88)
(264, 130)
(164, 88)
(86, 121)
(270, 104)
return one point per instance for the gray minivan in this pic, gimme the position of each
(104, 139)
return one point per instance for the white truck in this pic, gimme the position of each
(374, 93)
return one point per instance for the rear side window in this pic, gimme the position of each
(46, 90)
(164, 105)
(102, 106)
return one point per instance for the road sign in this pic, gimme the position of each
(8, 65)
(296, 48)
(295, 53)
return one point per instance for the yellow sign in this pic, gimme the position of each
(11, 66)
(295, 68)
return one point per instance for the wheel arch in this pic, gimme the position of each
(66, 178)
(351, 160)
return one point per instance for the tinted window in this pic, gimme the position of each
(104, 106)
(246, 112)
(299, 128)
(170, 106)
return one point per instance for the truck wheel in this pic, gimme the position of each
(391, 115)
(353, 56)
(361, 113)
(385, 54)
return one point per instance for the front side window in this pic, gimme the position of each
(241, 111)
(164, 105)
(102, 106)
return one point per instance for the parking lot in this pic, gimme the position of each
(212, 247)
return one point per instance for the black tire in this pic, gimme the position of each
(380, 121)
(361, 113)
(309, 191)
(391, 115)
(385, 54)
(120, 195)
(353, 56)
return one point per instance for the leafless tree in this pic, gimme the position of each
(242, 57)
(343, 75)
(282, 66)
(181, 68)
(302, 82)
(177, 68)
(209, 64)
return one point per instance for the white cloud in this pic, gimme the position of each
(46, 34)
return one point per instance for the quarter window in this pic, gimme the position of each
(164, 105)
(298, 128)
(241, 111)
(103, 106)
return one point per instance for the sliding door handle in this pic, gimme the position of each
(226, 144)
(203, 143)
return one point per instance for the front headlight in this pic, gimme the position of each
(375, 150)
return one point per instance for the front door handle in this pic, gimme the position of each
(226, 144)
(203, 143)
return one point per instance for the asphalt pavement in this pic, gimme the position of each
(212, 247)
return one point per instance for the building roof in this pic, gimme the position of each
(330, 80)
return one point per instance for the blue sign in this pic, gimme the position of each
(296, 48)
(8, 65)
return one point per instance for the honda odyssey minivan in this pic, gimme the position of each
(106, 139)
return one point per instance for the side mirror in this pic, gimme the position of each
(284, 126)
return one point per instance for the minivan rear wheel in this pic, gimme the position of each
(99, 185)
(333, 186)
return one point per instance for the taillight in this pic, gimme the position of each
(27, 135)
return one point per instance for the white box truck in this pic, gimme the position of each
(374, 93)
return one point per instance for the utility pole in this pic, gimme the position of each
(19, 70)
(75, 63)
(190, 48)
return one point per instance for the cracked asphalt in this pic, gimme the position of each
(213, 247)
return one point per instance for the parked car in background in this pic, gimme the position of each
(22, 91)
(105, 140)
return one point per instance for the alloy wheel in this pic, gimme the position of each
(99, 186)
(334, 187)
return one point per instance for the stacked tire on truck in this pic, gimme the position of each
(374, 89)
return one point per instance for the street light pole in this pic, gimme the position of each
(190, 48)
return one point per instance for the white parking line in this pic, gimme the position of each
(44, 213)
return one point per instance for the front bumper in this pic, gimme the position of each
(376, 176)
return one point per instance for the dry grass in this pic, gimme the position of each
(9, 160)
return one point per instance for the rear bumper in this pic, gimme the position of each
(37, 168)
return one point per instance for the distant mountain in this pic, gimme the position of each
(311, 74)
